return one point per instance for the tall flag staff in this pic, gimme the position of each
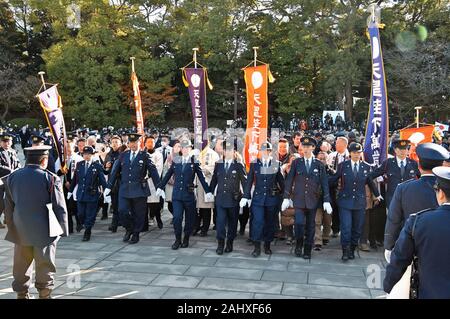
(137, 104)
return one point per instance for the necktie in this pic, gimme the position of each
(133, 155)
(355, 170)
(307, 166)
(402, 167)
(164, 154)
(86, 168)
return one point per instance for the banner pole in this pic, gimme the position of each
(255, 49)
(195, 57)
(132, 63)
(417, 108)
(41, 74)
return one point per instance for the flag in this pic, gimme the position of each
(417, 135)
(376, 143)
(138, 107)
(196, 79)
(256, 80)
(51, 104)
(440, 126)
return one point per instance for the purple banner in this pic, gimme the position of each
(376, 142)
(196, 78)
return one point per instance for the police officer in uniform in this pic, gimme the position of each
(425, 238)
(184, 169)
(307, 180)
(133, 167)
(88, 177)
(27, 193)
(397, 170)
(8, 163)
(229, 175)
(110, 159)
(39, 140)
(353, 175)
(414, 195)
(266, 174)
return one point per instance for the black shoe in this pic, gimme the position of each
(351, 254)
(250, 241)
(79, 228)
(160, 224)
(326, 242)
(229, 247)
(70, 230)
(203, 234)
(242, 231)
(104, 217)
(299, 248)
(373, 246)
(185, 243)
(214, 228)
(307, 252)
(345, 253)
(195, 232)
(257, 251)
(87, 235)
(317, 247)
(267, 249)
(134, 238)
(113, 228)
(176, 244)
(127, 236)
(220, 245)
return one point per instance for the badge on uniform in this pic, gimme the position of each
(365, 172)
(316, 170)
(141, 162)
(233, 172)
(411, 171)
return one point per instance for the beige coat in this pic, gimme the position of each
(207, 159)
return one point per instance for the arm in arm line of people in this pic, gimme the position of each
(113, 176)
(199, 172)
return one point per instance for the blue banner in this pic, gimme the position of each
(376, 142)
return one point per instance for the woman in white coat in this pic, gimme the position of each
(153, 203)
(207, 158)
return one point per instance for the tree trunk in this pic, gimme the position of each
(348, 107)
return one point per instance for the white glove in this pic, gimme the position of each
(380, 198)
(107, 192)
(291, 203)
(285, 205)
(160, 193)
(249, 202)
(327, 207)
(210, 197)
(107, 199)
(69, 195)
(387, 255)
(243, 202)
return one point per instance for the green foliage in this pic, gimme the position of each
(317, 49)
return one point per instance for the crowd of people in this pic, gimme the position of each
(309, 187)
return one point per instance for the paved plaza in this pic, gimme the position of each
(106, 267)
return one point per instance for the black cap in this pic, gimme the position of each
(6, 137)
(442, 176)
(431, 151)
(37, 138)
(134, 137)
(266, 146)
(306, 140)
(71, 136)
(37, 150)
(401, 144)
(355, 147)
(351, 135)
(88, 150)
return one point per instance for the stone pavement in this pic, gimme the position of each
(106, 267)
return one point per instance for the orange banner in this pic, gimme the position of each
(138, 106)
(256, 80)
(417, 135)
